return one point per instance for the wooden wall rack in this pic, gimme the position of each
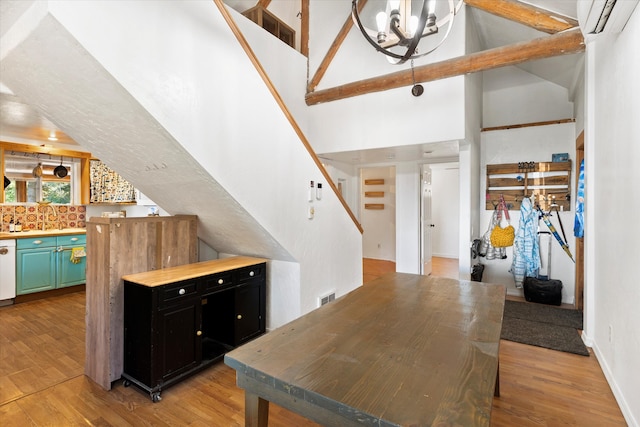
(549, 182)
(374, 181)
(377, 206)
(374, 194)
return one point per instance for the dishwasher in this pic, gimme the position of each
(7, 270)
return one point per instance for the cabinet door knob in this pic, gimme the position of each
(37, 242)
(74, 239)
(251, 273)
(220, 281)
(182, 291)
(239, 316)
(198, 333)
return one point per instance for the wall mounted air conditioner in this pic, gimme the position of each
(609, 16)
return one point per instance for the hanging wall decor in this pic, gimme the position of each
(548, 182)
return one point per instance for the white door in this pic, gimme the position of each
(426, 224)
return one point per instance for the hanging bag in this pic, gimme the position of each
(501, 237)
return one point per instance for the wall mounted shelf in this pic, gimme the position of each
(377, 181)
(374, 194)
(549, 182)
(378, 206)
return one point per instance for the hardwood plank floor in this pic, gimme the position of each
(41, 382)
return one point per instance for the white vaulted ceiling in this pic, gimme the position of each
(21, 122)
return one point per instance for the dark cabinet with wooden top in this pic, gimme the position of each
(182, 319)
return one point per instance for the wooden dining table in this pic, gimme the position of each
(402, 350)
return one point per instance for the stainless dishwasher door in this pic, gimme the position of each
(7, 269)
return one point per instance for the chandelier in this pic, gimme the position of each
(401, 25)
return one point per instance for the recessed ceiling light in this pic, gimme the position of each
(52, 136)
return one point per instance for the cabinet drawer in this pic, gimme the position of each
(250, 273)
(218, 280)
(176, 292)
(36, 242)
(72, 240)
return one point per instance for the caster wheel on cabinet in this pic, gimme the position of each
(126, 383)
(155, 397)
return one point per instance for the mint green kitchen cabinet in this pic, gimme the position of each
(69, 273)
(45, 263)
(35, 265)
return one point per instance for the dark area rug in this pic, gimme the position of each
(543, 326)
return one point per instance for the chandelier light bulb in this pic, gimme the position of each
(431, 7)
(381, 21)
(394, 4)
(413, 25)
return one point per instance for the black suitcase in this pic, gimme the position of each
(543, 291)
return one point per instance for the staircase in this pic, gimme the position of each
(164, 94)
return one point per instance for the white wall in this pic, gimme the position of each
(286, 67)
(408, 200)
(379, 237)
(612, 233)
(347, 176)
(536, 144)
(513, 96)
(469, 160)
(445, 210)
(381, 119)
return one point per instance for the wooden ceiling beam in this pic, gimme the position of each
(333, 49)
(264, 3)
(522, 13)
(565, 43)
(304, 28)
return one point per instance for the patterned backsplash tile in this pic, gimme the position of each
(31, 216)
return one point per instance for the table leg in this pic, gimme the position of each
(256, 410)
(496, 391)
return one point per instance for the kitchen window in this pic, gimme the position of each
(33, 178)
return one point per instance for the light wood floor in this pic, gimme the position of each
(41, 382)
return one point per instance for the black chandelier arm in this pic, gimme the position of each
(410, 43)
(395, 27)
(418, 34)
(356, 17)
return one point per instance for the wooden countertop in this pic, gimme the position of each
(402, 350)
(40, 233)
(190, 271)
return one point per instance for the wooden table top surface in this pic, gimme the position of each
(190, 271)
(401, 350)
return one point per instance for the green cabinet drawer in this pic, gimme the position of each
(36, 242)
(72, 240)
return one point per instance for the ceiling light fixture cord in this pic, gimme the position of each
(416, 90)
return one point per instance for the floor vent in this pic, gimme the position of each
(326, 299)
